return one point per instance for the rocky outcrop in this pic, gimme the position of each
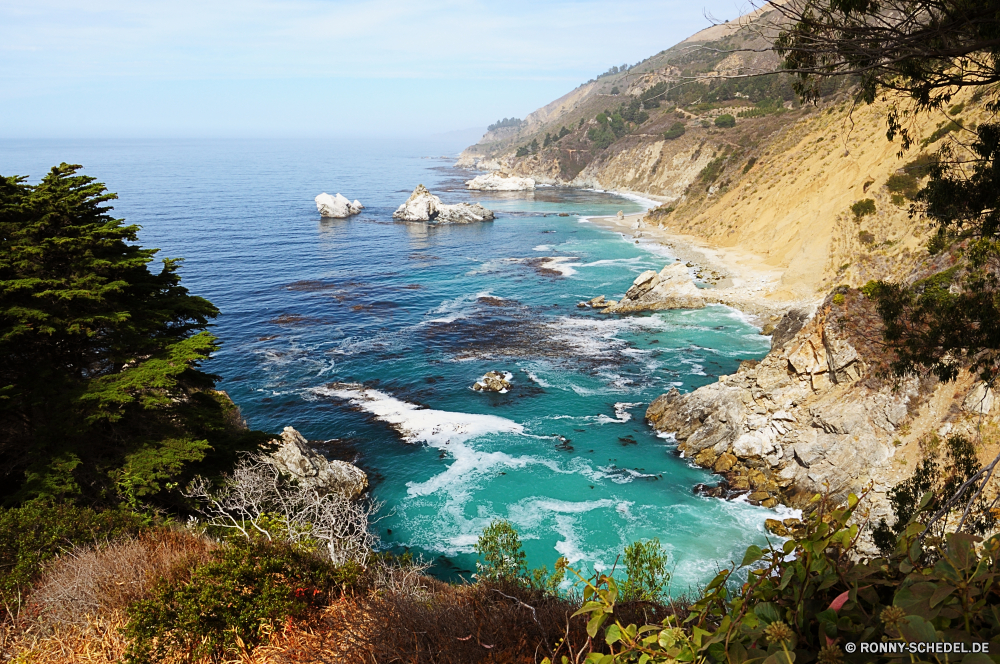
(337, 206)
(493, 381)
(296, 458)
(499, 182)
(795, 424)
(422, 205)
(670, 288)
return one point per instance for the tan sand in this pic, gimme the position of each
(746, 282)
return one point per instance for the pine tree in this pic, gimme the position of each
(100, 394)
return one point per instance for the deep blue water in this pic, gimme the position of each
(372, 332)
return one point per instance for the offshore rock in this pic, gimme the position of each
(295, 457)
(422, 205)
(493, 381)
(498, 182)
(337, 207)
(670, 288)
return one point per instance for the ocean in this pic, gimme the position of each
(368, 334)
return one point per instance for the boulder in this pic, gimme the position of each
(337, 207)
(422, 205)
(295, 457)
(789, 326)
(621, 215)
(499, 182)
(776, 527)
(980, 399)
(670, 288)
(493, 381)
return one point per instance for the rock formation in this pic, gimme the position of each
(493, 381)
(337, 206)
(670, 288)
(793, 425)
(295, 457)
(422, 205)
(498, 182)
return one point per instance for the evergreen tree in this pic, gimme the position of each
(100, 394)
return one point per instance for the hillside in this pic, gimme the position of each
(779, 184)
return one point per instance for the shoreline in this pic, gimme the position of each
(744, 281)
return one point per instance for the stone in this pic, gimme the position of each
(776, 527)
(337, 207)
(980, 399)
(758, 496)
(705, 458)
(499, 182)
(597, 302)
(808, 454)
(422, 205)
(740, 483)
(296, 458)
(724, 463)
(670, 288)
(770, 503)
(842, 358)
(789, 326)
(621, 215)
(493, 381)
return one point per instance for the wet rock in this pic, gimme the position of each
(776, 527)
(493, 381)
(296, 457)
(724, 463)
(770, 503)
(705, 458)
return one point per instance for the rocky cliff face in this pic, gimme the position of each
(811, 418)
(296, 458)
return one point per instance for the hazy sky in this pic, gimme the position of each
(193, 68)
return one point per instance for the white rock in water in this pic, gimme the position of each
(337, 206)
(422, 205)
(295, 457)
(498, 182)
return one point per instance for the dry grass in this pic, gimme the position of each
(77, 614)
(77, 609)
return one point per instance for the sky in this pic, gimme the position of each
(312, 68)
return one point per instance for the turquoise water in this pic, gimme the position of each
(372, 332)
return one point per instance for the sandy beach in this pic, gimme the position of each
(736, 277)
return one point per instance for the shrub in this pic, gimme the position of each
(725, 121)
(941, 132)
(646, 572)
(863, 208)
(712, 170)
(866, 237)
(36, 532)
(615, 90)
(522, 152)
(802, 600)
(238, 597)
(676, 130)
(601, 136)
(505, 561)
(91, 581)
(750, 163)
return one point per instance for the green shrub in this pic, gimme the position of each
(505, 561)
(615, 90)
(522, 152)
(863, 208)
(839, 299)
(646, 572)
(676, 130)
(247, 589)
(814, 596)
(750, 163)
(725, 121)
(712, 170)
(36, 532)
(601, 136)
(866, 237)
(941, 132)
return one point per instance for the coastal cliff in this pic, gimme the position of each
(793, 208)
